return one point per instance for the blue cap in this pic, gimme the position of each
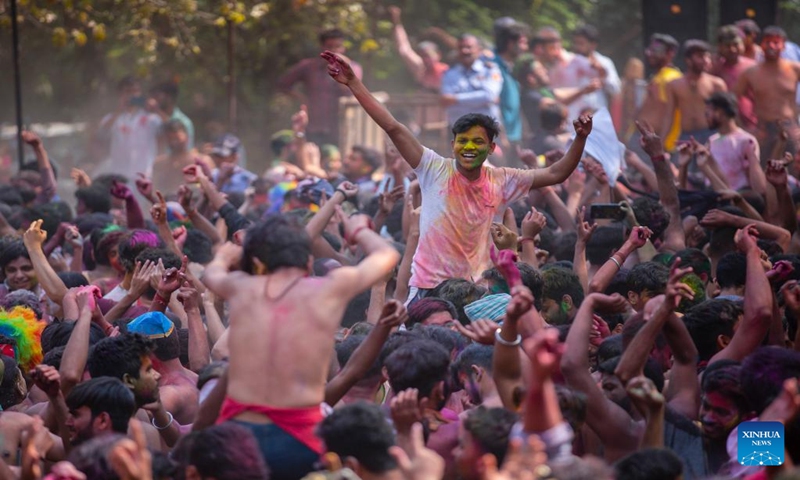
(152, 325)
(491, 307)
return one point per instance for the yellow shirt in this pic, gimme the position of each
(661, 79)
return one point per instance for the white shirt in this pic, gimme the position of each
(134, 143)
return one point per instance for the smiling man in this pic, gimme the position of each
(460, 196)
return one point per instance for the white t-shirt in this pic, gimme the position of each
(734, 153)
(134, 143)
(456, 218)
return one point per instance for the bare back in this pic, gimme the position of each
(774, 86)
(280, 349)
(690, 96)
(179, 394)
(653, 109)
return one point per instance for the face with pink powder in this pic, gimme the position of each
(472, 148)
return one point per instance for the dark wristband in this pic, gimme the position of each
(658, 158)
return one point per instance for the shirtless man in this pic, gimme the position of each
(659, 53)
(168, 168)
(689, 93)
(773, 84)
(730, 65)
(282, 326)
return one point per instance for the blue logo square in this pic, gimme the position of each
(761, 444)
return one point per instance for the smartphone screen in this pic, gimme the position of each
(607, 211)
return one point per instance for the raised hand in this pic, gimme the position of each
(121, 191)
(193, 174)
(86, 300)
(419, 462)
(229, 254)
(353, 224)
(130, 459)
(685, 152)
(145, 187)
(677, 290)
(639, 236)
(387, 200)
(585, 230)
(503, 238)
(172, 279)
(715, 219)
(776, 172)
(395, 14)
(142, 277)
(73, 236)
(185, 198)
(780, 271)
(31, 139)
(36, 442)
(614, 303)
(80, 178)
(651, 143)
(599, 331)
(522, 462)
(520, 304)
(544, 350)
(300, 120)
(533, 223)
(701, 152)
(393, 314)
(349, 190)
(47, 379)
(645, 396)
(180, 234)
(339, 68)
(583, 126)
(746, 238)
(405, 410)
(189, 297)
(480, 331)
(34, 237)
(159, 210)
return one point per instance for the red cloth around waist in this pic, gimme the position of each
(300, 423)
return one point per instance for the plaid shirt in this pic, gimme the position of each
(322, 94)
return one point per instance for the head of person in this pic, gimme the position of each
(773, 42)
(282, 145)
(17, 267)
(333, 40)
(13, 388)
(732, 273)
(531, 278)
(548, 40)
(448, 338)
(129, 89)
(473, 140)
(166, 94)
(605, 240)
(730, 43)
(93, 457)
(26, 299)
(361, 162)
(331, 158)
(224, 452)
(132, 244)
(460, 293)
(469, 49)
(105, 248)
(430, 54)
(226, 150)
(421, 364)
(176, 135)
(484, 430)
(127, 358)
(562, 296)
(661, 50)
(651, 214)
(57, 334)
(750, 31)
(361, 436)
(511, 39)
(198, 247)
(723, 403)
(645, 281)
(584, 40)
(712, 325)
(533, 74)
(634, 69)
(161, 331)
(98, 407)
(473, 371)
(93, 199)
(763, 373)
(697, 55)
(613, 388)
(553, 117)
(650, 464)
(276, 242)
(431, 311)
(721, 108)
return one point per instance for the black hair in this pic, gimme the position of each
(345, 349)
(95, 198)
(604, 241)
(732, 270)
(277, 242)
(331, 34)
(227, 452)
(475, 354)
(692, 46)
(564, 248)
(709, 320)
(420, 310)
(90, 222)
(723, 377)
(650, 464)
(9, 396)
(666, 40)
(10, 195)
(559, 282)
(169, 258)
(105, 394)
(117, 356)
(73, 279)
(610, 347)
(748, 26)
(531, 278)
(133, 243)
(371, 156)
(465, 122)
(695, 258)
(726, 102)
(421, 364)
(648, 276)
(57, 334)
(491, 428)
(652, 370)
(11, 251)
(509, 33)
(92, 457)
(103, 243)
(174, 125)
(448, 338)
(651, 214)
(105, 180)
(169, 89)
(589, 32)
(198, 247)
(763, 374)
(54, 356)
(360, 431)
(52, 215)
(552, 116)
(395, 341)
(23, 298)
(356, 310)
(775, 31)
(460, 293)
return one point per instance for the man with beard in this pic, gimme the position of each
(688, 93)
(100, 406)
(659, 53)
(734, 149)
(730, 65)
(168, 169)
(473, 367)
(773, 86)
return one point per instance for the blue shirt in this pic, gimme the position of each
(510, 102)
(476, 88)
(239, 182)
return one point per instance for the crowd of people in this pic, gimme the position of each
(618, 307)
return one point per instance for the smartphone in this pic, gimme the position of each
(611, 211)
(138, 101)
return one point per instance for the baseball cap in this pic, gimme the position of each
(226, 145)
(152, 325)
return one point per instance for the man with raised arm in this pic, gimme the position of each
(282, 326)
(460, 196)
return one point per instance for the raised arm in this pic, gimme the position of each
(51, 283)
(562, 169)
(605, 274)
(199, 349)
(199, 221)
(133, 211)
(320, 220)
(405, 141)
(412, 241)
(218, 276)
(77, 350)
(585, 232)
(506, 364)
(542, 411)
(413, 61)
(392, 316)
(613, 425)
(778, 177)
(683, 390)
(48, 181)
(674, 237)
(533, 223)
(720, 218)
